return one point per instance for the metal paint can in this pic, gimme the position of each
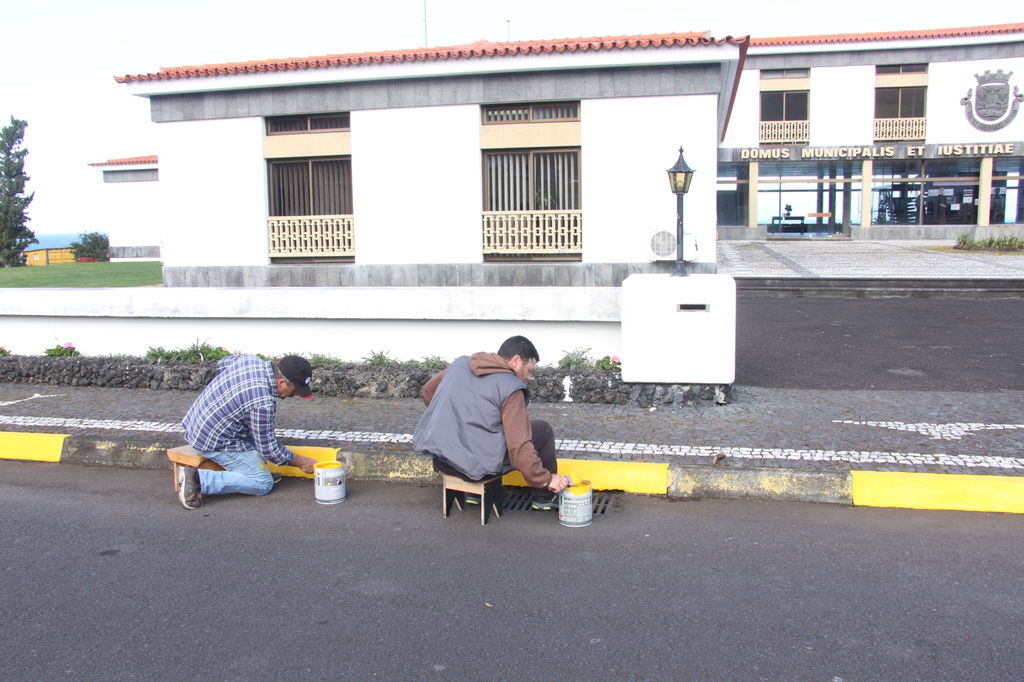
(329, 482)
(576, 505)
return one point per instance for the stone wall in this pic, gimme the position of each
(549, 385)
(420, 275)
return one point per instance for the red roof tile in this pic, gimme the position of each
(482, 48)
(129, 161)
(993, 29)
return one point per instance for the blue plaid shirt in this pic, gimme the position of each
(236, 411)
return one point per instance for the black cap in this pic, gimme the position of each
(299, 374)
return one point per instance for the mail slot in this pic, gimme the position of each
(692, 307)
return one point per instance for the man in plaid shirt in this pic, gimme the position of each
(232, 423)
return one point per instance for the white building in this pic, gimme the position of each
(471, 165)
(911, 134)
(123, 207)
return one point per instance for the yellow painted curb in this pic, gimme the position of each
(963, 492)
(630, 477)
(36, 447)
(317, 453)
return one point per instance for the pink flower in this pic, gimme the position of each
(615, 358)
(69, 345)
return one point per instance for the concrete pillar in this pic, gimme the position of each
(985, 192)
(867, 168)
(752, 173)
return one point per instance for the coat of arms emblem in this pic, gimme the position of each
(992, 107)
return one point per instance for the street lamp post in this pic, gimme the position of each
(679, 177)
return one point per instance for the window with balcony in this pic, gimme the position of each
(899, 114)
(784, 117)
(310, 209)
(900, 94)
(532, 205)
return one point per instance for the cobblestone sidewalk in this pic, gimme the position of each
(809, 429)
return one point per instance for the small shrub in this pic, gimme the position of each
(319, 360)
(62, 350)
(4, 352)
(576, 359)
(379, 357)
(608, 362)
(1000, 244)
(196, 353)
(432, 362)
(91, 245)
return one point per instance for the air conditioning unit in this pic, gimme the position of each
(662, 246)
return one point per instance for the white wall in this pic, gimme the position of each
(842, 105)
(949, 82)
(213, 193)
(348, 340)
(345, 322)
(744, 130)
(627, 145)
(416, 179)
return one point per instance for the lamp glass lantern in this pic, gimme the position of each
(679, 177)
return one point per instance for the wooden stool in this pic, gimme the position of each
(185, 455)
(490, 490)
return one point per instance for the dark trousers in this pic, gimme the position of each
(543, 441)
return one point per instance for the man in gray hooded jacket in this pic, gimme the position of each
(476, 425)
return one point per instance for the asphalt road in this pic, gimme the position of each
(928, 344)
(105, 577)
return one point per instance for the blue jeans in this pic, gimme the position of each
(245, 472)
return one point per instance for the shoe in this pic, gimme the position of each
(188, 488)
(549, 504)
(276, 476)
(472, 498)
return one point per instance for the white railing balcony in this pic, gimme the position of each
(510, 233)
(785, 132)
(896, 129)
(311, 236)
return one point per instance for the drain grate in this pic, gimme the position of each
(518, 499)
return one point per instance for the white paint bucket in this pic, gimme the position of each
(329, 482)
(576, 505)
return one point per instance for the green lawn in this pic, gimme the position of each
(133, 274)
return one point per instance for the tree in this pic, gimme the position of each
(14, 234)
(91, 245)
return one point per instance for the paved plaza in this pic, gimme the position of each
(931, 259)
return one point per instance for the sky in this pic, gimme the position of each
(58, 58)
